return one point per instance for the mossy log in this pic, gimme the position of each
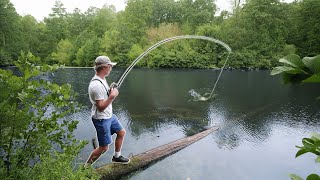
(116, 171)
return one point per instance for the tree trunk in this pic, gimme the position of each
(115, 171)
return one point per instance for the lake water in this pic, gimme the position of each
(260, 122)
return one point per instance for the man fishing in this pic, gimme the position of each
(104, 121)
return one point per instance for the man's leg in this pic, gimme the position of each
(117, 157)
(119, 140)
(96, 153)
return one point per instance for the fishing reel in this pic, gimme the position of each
(113, 85)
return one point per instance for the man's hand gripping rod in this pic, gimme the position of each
(113, 85)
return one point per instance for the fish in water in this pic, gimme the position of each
(197, 97)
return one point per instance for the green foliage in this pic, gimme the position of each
(10, 34)
(30, 39)
(134, 52)
(242, 59)
(88, 52)
(306, 70)
(135, 18)
(261, 30)
(4, 57)
(102, 20)
(289, 49)
(310, 145)
(34, 131)
(312, 63)
(308, 25)
(197, 13)
(163, 12)
(115, 45)
(163, 31)
(296, 70)
(310, 177)
(58, 10)
(63, 53)
(76, 23)
(60, 166)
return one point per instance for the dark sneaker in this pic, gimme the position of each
(121, 160)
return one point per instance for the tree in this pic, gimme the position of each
(135, 19)
(55, 30)
(58, 10)
(76, 23)
(56, 22)
(63, 53)
(264, 25)
(163, 31)
(116, 42)
(308, 39)
(9, 32)
(258, 33)
(88, 52)
(134, 52)
(86, 48)
(197, 12)
(163, 11)
(30, 38)
(103, 20)
(210, 52)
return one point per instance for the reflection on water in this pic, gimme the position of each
(260, 122)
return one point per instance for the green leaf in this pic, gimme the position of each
(315, 135)
(293, 60)
(66, 96)
(27, 74)
(308, 143)
(301, 151)
(318, 159)
(313, 63)
(313, 177)
(55, 67)
(285, 69)
(46, 68)
(295, 177)
(275, 71)
(313, 79)
(285, 61)
(55, 87)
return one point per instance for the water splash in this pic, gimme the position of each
(124, 75)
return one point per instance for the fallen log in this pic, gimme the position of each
(116, 171)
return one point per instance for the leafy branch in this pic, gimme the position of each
(34, 129)
(297, 70)
(310, 145)
(306, 70)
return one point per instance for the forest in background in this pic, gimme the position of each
(259, 32)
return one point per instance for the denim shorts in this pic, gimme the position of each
(106, 128)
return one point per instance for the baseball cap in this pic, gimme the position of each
(103, 60)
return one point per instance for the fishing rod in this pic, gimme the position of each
(126, 72)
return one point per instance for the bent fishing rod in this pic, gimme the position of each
(126, 72)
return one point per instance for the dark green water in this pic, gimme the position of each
(260, 120)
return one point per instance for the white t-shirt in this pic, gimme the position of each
(98, 91)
